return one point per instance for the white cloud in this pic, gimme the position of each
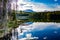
(24, 28)
(35, 6)
(57, 7)
(38, 26)
(28, 37)
(42, 26)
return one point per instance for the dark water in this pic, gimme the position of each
(47, 33)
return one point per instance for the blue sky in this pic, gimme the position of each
(39, 5)
(45, 1)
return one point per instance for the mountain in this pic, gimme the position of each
(28, 10)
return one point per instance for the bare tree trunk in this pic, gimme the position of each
(5, 12)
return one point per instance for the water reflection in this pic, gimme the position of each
(38, 30)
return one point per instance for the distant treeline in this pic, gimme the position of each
(45, 16)
(53, 16)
